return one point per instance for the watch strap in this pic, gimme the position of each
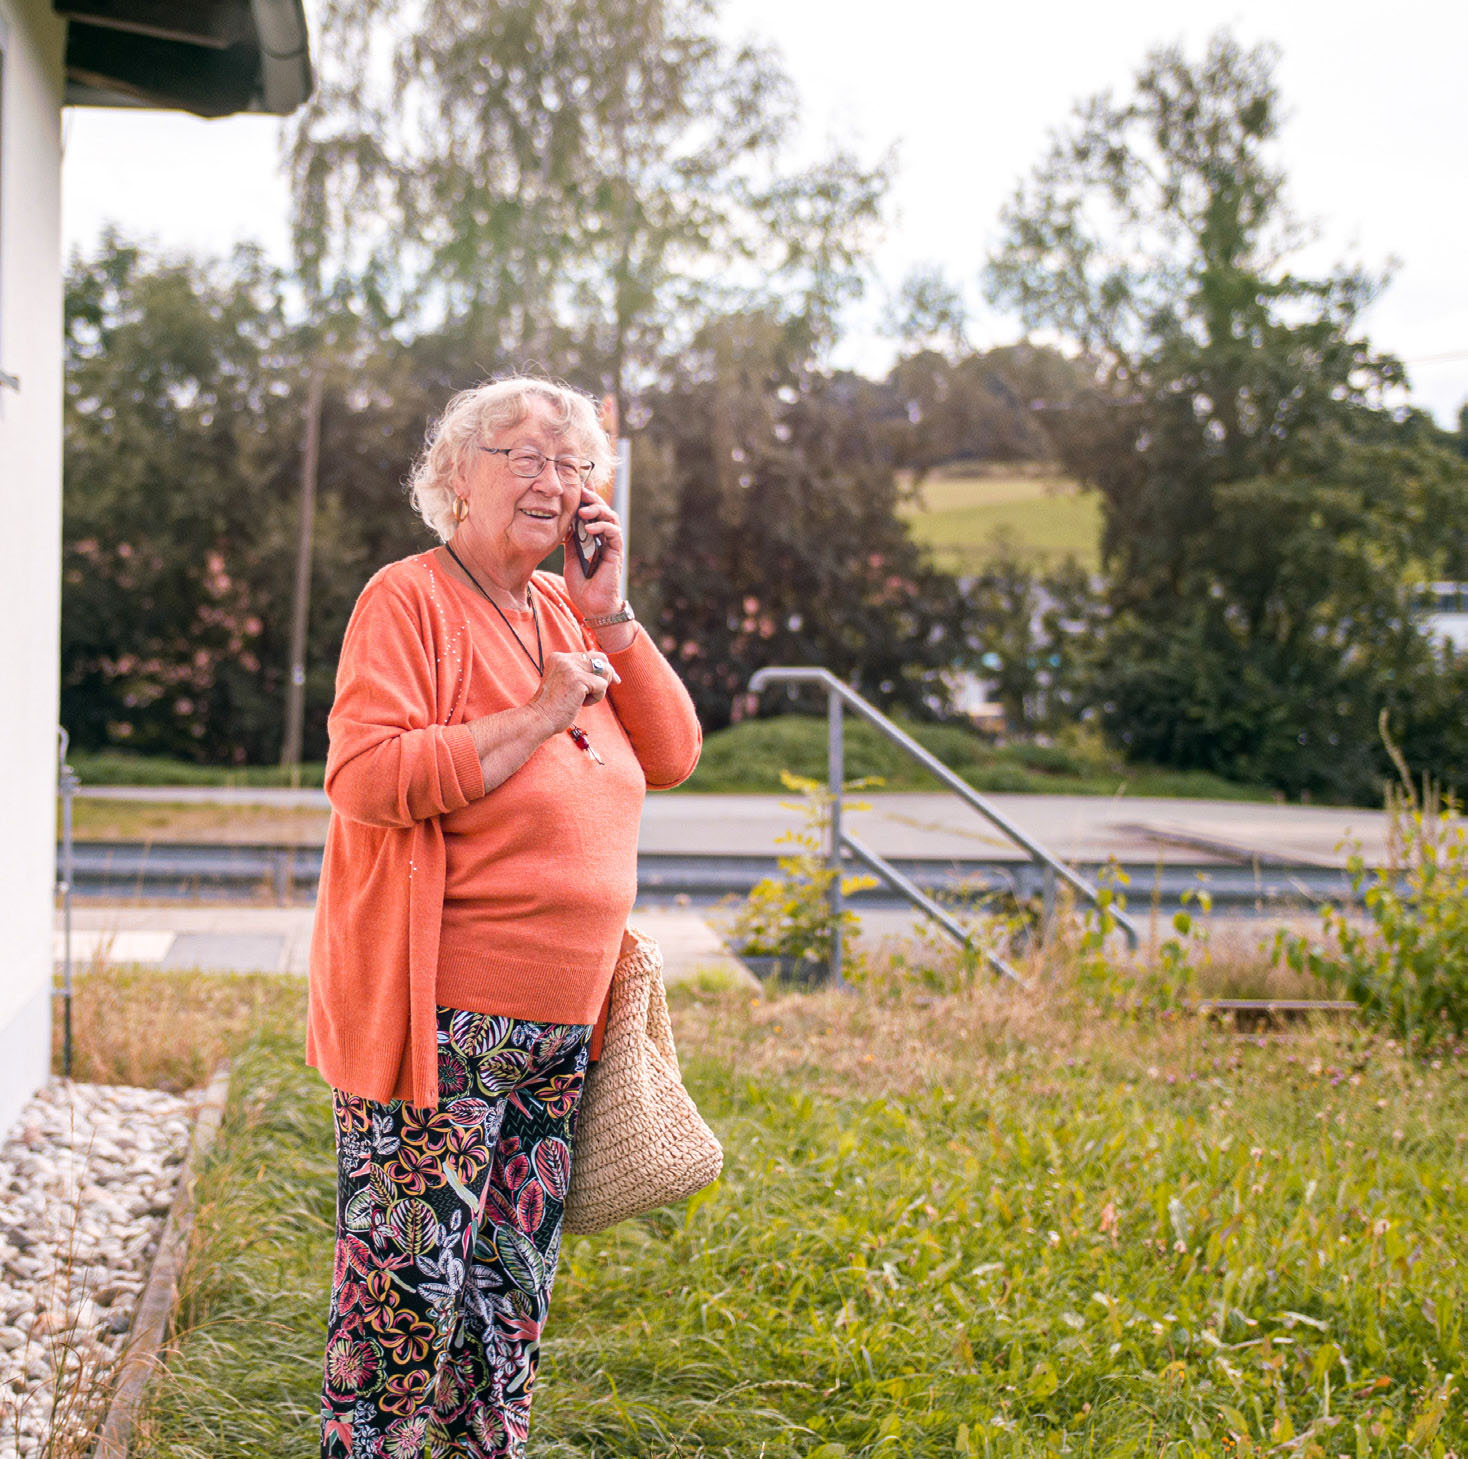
(624, 614)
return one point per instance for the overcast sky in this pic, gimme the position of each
(1376, 145)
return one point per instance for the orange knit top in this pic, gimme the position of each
(436, 893)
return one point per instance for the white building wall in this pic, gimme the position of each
(33, 41)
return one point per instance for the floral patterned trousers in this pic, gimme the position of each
(448, 1232)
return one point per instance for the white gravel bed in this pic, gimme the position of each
(86, 1180)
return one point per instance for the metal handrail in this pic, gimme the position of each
(923, 902)
(841, 696)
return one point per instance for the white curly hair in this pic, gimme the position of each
(473, 415)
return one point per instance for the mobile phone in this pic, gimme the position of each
(587, 545)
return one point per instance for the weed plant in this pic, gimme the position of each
(788, 917)
(1408, 966)
(954, 1220)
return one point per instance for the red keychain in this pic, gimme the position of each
(578, 737)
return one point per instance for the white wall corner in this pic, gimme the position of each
(30, 548)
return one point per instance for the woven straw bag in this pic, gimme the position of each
(640, 1142)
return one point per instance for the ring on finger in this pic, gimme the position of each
(599, 666)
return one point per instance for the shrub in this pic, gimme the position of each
(1409, 969)
(788, 917)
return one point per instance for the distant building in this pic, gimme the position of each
(972, 696)
(1444, 609)
(211, 57)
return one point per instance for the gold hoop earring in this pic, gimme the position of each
(461, 508)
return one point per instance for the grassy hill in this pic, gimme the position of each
(957, 512)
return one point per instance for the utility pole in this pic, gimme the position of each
(621, 479)
(295, 703)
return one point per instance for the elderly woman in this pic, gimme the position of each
(493, 734)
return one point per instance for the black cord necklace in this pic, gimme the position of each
(537, 659)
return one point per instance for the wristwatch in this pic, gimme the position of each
(624, 614)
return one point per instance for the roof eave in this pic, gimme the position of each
(251, 56)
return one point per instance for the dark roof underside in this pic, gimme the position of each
(210, 57)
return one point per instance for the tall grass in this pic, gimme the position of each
(951, 1222)
(155, 820)
(243, 1370)
(147, 1029)
(168, 1030)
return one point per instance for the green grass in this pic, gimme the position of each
(164, 820)
(745, 758)
(949, 1224)
(119, 767)
(243, 1376)
(958, 515)
(750, 756)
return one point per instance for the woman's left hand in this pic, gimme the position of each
(601, 593)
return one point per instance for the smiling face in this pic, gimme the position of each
(514, 522)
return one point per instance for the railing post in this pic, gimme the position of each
(67, 783)
(1047, 902)
(835, 781)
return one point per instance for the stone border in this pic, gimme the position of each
(155, 1309)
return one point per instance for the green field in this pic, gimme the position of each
(957, 514)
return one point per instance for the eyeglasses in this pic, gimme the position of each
(526, 461)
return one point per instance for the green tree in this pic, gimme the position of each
(780, 542)
(1266, 513)
(928, 313)
(1028, 633)
(978, 407)
(560, 180)
(183, 428)
(172, 458)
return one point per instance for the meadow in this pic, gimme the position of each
(954, 1220)
(957, 512)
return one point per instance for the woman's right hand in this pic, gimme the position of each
(568, 684)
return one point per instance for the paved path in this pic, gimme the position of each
(244, 939)
(1074, 827)
(936, 825)
(940, 825)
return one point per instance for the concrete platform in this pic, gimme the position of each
(246, 939)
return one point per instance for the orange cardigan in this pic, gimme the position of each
(401, 757)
